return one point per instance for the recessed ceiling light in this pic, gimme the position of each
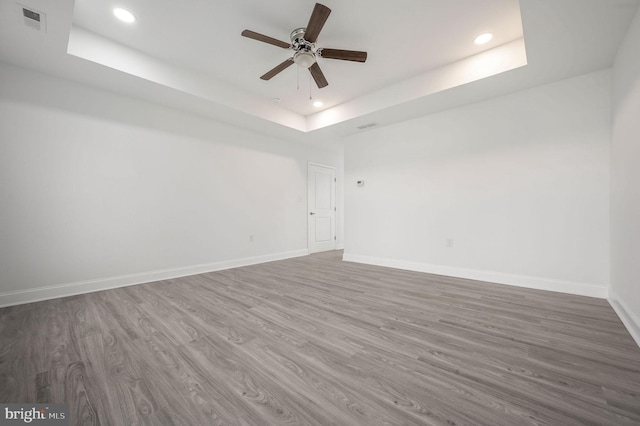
(124, 15)
(483, 38)
(318, 104)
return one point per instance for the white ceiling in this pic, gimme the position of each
(403, 38)
(190, 55)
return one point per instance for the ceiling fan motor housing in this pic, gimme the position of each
(297, 36)
(305, 55)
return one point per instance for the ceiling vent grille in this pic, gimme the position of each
(33, 19)
(367, 126)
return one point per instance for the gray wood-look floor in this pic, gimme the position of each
(314, 340)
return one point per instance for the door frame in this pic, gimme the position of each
(333, 202)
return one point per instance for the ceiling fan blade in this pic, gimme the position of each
(318, 76)
(277, 70)
(265, 39)
(345, 55)
(316, 22)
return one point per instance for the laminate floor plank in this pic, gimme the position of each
(20, 346)
(263, 396)
(108, 346)
(318, 341)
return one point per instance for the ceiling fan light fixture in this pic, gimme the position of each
(304, 59)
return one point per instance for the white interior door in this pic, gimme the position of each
(322, 208)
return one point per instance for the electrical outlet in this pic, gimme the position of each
(449, 242)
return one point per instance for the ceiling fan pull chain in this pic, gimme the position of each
(298, 74)
(310, 87)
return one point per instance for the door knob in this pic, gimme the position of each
(312, 213)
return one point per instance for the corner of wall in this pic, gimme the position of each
(628, 318)
(624, 294)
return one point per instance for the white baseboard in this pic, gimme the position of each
(626, 315)
(581, 289)
(63, 290)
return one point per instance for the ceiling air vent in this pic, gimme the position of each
(33, 19)
(367, 126)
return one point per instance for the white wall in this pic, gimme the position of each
(520, 183)
(99, 190)
(625, 182)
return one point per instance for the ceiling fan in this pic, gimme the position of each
(305, 50)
